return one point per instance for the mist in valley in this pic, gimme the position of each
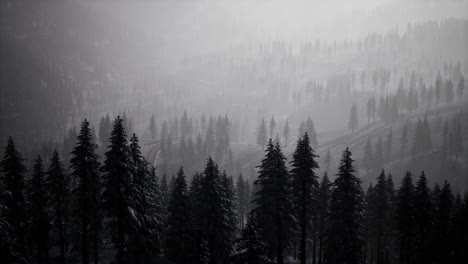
(158, 131)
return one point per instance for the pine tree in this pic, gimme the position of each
(8, 241)
(391, 252)
(144, 206)
(58, 186)
(442, 223)
(86, 193)
(381, 210)
(179, 230)
(347, 207)
(459, 229)
(404, 218)
(305, 184)
(353, 122)
(248, 194)
(261, 134)
(423, 215)
(274, 211)
(117, 192)
(229, 199)
(13, 199)
(323, 208)
(38, 213)
(165, 196)
(214, 214)
(201, 251)
(249, 248)
(370, 226)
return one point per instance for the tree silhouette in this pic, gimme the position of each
(274, 212)
(304, 186)
(346, 232)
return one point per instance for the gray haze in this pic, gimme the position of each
(66, 60)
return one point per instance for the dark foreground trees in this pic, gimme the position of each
(179, 237)
(58, 188)
(13, 204)
(86, 215)
(305, 185)
(118, 192)
(38, 224)
(250, 248)
(274, 207)
(60, 219)
(346, 232)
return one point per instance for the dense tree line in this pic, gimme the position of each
(119, 210)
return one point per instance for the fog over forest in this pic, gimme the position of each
(234, 131)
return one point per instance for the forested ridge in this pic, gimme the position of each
(113, 208)
(234, 131)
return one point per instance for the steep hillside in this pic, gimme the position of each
(395, 160)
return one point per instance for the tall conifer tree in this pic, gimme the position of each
(58, 186)
(250, 249)
(178, 238)
(423, 217)
(13, 198)
(404, 218)
(274, 211)
(38, 212)
(346, 232)
(86, 193)
(305, 185)
(117, 192)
